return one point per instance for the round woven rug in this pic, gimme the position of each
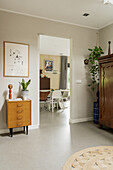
(96, 158)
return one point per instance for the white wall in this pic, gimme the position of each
(105, 35)
(19, 28)
(54, 45)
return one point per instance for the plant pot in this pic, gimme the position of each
(96, 112)
(24, 94)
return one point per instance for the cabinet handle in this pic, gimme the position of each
(19, 105)
(19, 117)
(19, 111)
(19, 124)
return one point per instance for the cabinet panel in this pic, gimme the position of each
(106, 91)
(44, 83)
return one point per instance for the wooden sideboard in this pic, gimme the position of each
(18, 114)
(106, 91)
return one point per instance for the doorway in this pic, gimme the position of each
(52, 52)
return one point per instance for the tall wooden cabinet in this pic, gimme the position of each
(106, 91)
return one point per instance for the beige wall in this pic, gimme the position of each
(19, 28)
(105, 35)
(54, 78)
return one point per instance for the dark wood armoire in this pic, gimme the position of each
(106, 91)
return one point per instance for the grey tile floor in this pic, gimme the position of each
(48, 147)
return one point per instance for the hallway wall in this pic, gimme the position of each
(25, 29)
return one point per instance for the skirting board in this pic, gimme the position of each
(80, 120)
(19, 129)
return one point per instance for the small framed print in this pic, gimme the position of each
(16, 59)
(48, 66)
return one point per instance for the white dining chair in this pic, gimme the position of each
(65, 95)
(43, 98)
(56, 97)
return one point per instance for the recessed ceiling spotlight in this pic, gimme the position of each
(86, 14)
(108, 1)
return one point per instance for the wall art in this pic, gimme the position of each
(16, 59)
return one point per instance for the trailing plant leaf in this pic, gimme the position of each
(95, 53)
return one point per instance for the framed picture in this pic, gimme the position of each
(48, 66)
(16, 59)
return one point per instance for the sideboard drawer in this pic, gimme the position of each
(18, 124)
(15, 107)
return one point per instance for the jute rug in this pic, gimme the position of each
(96, 158)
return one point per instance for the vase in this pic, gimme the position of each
(24, 94)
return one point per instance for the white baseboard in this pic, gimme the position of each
(33, 127)
(80, 120)
(19, 129)
(4, 131)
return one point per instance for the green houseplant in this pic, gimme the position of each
(24, 92)
(95, 53)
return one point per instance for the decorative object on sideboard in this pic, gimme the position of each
(55, 72)
(25, 92)
(10, 86)
(68, 65)
(16, 59)
(109, 49)
(41, 73)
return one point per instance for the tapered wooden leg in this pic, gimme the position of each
(11, 132)
(26, 130)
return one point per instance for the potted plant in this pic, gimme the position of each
(95, 53)
(24, 92)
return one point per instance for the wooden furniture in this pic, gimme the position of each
(106, 91)
(44, 85)
(44, 94)
(18, 114)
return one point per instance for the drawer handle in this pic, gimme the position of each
(19, 117)
(19, 111)
(19, 105)
(19, 124)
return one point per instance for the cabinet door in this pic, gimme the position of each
(106, 93)
(44, 83)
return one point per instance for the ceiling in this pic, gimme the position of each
(67, 11)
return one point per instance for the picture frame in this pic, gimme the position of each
(16, 59)
(48, 66)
